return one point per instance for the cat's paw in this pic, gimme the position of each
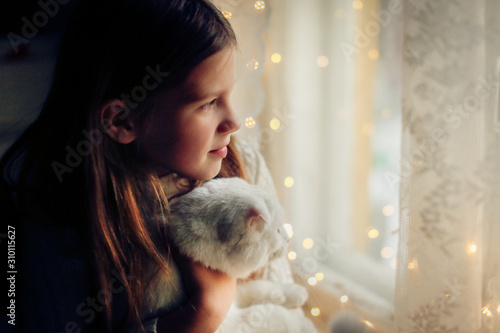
(295, 295)
(266, 318)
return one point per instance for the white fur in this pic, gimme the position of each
(265, 318)
(289, 295)
(211, 224)
(232, 226)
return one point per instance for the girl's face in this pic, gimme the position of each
(191, 125)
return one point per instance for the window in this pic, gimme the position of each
(330, 131)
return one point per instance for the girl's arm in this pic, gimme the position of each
(211, 294)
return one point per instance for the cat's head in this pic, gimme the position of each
(231, 226)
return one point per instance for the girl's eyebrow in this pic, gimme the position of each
(193, 96)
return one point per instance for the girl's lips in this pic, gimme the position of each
(221, 152)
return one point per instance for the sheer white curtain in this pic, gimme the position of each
(448, 275)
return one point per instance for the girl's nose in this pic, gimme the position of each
(231, 122)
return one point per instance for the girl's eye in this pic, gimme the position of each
(209, 104)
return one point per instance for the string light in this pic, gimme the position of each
(307, 243)
(486, 311)
(386, 252)
(319, 276)
(289, 182)
(473, 248)
(274, 124)
(373, 54)
(227, 14)
(369, 324)
(312, 281)
(292, 255)
(250, 122)
(373, 233)
(498, 309)
(322, 61)
(276, 58)
(289, 229)
(344, 299)
(252, 65)
(413, 264)
(315, 312)
(388, 210)
(259, 5)
(357, 4)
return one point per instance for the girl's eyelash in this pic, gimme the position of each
(209, 104)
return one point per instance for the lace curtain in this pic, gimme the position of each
(448, 274)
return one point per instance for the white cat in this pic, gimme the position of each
(232, 226)
(229, 225)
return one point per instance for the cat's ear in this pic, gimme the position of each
(255, 220)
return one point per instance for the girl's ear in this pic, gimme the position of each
(115, 118)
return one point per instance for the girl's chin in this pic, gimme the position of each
(201, 176)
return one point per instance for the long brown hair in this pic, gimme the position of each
(75, 175)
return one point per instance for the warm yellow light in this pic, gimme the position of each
(249, 122)
(486, 310)
(386, 252)
(319, 276)
(260, 5)
(388, 210)
(289, 229)
(489, 314)
(274, 124)
(276, 58)
(369, 324)
(322, 61)
(373, 54)
(307, 243)
(292, 255)
(413, 264)
(344, 299)
(357, 4)
(473, 248)
(312, 281)
(315, 312)
(252, 65)
(289, 182)
(227, 14)
(498, 309)
(373, 233)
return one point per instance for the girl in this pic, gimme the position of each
(140, 92)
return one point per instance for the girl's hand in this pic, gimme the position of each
(210, 294)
